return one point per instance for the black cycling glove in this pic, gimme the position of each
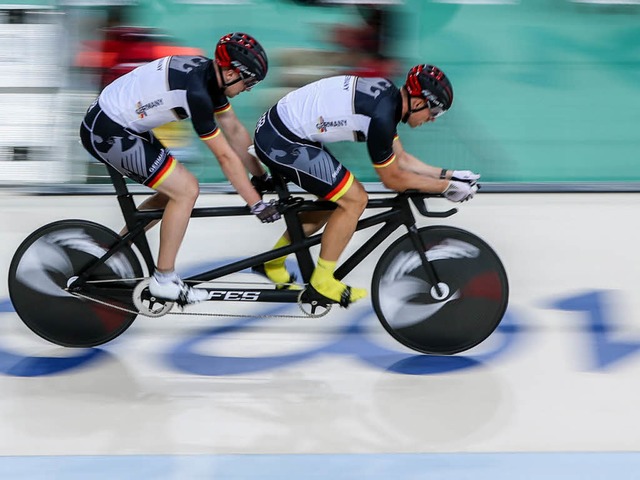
(263, 184)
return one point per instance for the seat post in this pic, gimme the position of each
(294, 227)
(129, 210)
(125, 199)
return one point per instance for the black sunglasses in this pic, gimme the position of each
(249, 81)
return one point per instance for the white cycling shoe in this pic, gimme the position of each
(177, 291)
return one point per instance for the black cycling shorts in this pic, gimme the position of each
(139, 156)
(307, 164)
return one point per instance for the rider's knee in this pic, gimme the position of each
(357, 198)
(192, 189)
(189, 189)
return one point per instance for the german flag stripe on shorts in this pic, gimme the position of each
(163, 173)
(335, 194)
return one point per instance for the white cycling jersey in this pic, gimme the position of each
(141, 99)
(323, 111)
(166, 90)
(345, 108)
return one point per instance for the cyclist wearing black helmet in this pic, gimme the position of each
(117, 130)
(290, 138)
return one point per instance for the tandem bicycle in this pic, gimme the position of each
(437, 289)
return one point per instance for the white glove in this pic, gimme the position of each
(465, 176)
(460, 191)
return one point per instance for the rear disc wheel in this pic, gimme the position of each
(48, 261)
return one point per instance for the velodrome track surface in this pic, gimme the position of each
(552, 394)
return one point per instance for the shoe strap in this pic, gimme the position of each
(345, 298)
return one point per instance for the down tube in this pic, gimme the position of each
(370, 245)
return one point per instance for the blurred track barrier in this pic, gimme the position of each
(530, 111)
(32, 146)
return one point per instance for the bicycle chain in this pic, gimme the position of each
(204, 314)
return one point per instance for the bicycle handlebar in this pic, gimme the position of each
(419, 200)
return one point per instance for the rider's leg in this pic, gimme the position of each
(182, 190)
(338, 231)
(157, 169)
(332, 182)
(275, 269)
(313, 221)
(157, 201)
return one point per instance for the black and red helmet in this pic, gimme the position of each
(431, 84)
(244, 54)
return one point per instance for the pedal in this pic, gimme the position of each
(314, 304)
(290, 285)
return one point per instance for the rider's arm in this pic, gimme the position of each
(240, 140)
(399, 173)
(413, 164)
(209, 115)
(397, 169)
(232, 167)
(202, 116)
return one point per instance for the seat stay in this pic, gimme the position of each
(82, 278)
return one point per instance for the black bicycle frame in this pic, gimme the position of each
(398, 213)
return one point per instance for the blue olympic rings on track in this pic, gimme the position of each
(349, 340)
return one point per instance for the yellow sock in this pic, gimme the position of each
(326, 284)
(275, 269)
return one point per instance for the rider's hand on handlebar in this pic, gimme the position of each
(460, 191)
(266, 212)
(465, 176)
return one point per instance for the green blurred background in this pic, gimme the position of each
(545, 90)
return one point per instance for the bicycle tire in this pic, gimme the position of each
(41, 269)
(407, 305)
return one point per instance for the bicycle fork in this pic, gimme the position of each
(438, 291)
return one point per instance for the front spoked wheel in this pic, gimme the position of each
(48, 261)
(463, 312)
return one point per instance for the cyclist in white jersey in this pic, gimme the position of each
(291, 139)
(117, 131)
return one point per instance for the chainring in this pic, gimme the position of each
(147, 304)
